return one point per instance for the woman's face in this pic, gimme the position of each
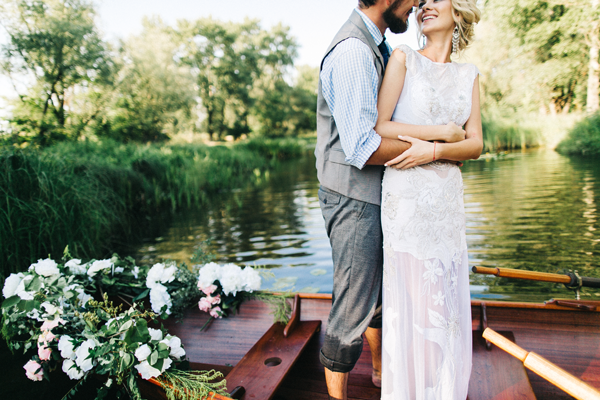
(435, 15)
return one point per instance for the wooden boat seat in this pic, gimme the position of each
(261, 371)
(496, 375)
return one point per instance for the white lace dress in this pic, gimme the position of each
(426, 300)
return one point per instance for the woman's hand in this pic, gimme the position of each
(419, 153)
(453, 133)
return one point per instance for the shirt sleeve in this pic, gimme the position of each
(350, 84)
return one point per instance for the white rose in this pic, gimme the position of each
(99, 265)
(155, 334)
(83, 360)
(154, 275)
(251, 279)
(65, 346)
(46, 267)
(75, 267)
(231, 279)
(51, 309)
(147, 371)
(71, 369)
(11, 284)
(175, 344)
(208, 274)
(166, 364)
(159, 297)
(83, 296)
(143, 352)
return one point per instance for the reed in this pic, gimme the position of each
(93, 197)
(502, 132)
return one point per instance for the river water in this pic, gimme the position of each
(533, 210)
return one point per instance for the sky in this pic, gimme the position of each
(313, 23)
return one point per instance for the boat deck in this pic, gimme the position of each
(567, 336)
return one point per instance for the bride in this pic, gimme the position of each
(425, 99)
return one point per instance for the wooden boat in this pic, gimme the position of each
(566, 332)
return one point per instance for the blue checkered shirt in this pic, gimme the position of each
(349, 83)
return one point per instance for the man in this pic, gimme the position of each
(350, 156)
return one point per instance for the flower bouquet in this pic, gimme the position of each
(48, 310)
(224, 287)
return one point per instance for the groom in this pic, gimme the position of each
(350, 156)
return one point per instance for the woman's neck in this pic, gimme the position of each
(438, 48)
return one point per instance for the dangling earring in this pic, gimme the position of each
(423, 41)
(455, 37)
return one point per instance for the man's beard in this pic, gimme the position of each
(396, 25)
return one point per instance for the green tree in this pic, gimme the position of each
(54, 47)
(540, 54)
(230, 61)
(153, 96)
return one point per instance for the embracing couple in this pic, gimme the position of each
(398, 234)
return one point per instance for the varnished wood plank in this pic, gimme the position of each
(264, 367)
(496, 375)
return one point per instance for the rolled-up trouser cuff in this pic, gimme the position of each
(335, 366)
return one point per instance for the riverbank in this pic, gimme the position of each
(96, 196)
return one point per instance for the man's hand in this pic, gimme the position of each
(420, 152)
(454, 133)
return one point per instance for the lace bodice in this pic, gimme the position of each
(434, 93)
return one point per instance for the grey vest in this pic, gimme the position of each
(333, 171)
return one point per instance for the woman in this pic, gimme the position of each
(425, 99)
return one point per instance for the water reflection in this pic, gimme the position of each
(535, 211)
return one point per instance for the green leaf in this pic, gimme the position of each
(11, 301)
(153, 357)
(159, 364)
(35, 284)
(141, 295)
(138, 333)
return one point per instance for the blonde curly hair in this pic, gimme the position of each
(465, 15)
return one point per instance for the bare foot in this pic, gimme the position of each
(376, 378)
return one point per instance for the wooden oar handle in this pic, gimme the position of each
(520, 274)
(544, 368)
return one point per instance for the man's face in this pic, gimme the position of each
(396, 16)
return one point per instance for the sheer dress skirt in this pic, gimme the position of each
(426, 299)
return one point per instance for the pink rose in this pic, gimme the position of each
(204, 305)
(213, 300)
(209, 289)
(44, 352)
(46, 337)
(216, 312)
(33, 370)
(49, 325)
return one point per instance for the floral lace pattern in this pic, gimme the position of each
(426, 299)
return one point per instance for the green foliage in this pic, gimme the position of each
(55, 43)
(91, 196)
(184, 385)
(534, 54)
(584, 139)
(501, 132)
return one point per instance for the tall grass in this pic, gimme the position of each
(91, 196)
(504, 130)
(584, 138)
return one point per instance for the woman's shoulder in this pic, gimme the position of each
(468, 67)
(405, 55)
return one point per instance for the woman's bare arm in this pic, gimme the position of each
(392, 85)
(422, 152)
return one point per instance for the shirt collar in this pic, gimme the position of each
(373, 29)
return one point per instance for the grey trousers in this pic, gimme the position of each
(354, 230)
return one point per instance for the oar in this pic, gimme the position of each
(571, 280)
(544, 368)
